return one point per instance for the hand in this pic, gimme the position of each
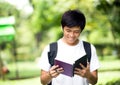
(55, 71)
(84, 72)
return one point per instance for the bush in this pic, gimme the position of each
(114, 82)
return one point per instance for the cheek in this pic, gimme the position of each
(77, 35)
(66, 34)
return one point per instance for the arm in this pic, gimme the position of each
(45, 77)
(93, 77)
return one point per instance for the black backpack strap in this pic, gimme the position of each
(52, 53)
(87, 48)
(50, 83)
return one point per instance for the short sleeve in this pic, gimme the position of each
(94, 63)
(43, 62)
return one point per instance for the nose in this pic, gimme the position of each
(71, 34)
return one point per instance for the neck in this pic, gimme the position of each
(71, 44)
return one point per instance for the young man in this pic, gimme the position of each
(70, 49)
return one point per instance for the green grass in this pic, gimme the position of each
(23, 69)
(110, 65)
(109, 70)
(29, 73)
(108, 76)
(31, 81)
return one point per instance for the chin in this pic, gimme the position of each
(71, 43)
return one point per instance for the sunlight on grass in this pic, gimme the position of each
(32, 81)
(108, 76)
(25, 69)
(109, 70)
(110, 65)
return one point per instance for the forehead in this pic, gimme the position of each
(72, 28)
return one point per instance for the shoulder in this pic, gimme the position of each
(91, 45)
(88, 43)
(45, 48)
(58, 41)
(51, 44)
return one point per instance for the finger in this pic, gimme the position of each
(52, 70)
(78, 71)
(53, 73)
(54, 67)
(60, 70)
(57, 70)
(88, 64)
(82, 66)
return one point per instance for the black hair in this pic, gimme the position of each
(73, 18)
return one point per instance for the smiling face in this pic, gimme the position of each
(71, 35)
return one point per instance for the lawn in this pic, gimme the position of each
(30, 81)
(29, 73)
(109, 70)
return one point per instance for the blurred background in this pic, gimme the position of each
(27, 26)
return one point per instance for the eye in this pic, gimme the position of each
(77, 31)
(68, 30)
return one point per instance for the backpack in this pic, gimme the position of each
(53, 52)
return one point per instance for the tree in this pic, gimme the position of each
(111, 8)
(47, 14)
(46, 17)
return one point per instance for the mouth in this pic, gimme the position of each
(71, 39)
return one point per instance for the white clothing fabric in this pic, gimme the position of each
(69, 54)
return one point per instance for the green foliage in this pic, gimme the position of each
(30, 81)
(43, 16)
(113, 82)
(7, 10)
(109, 63)
(108, 73)
(111, 9)
(25, 70)
(48, 16)
(102, 36)
(46, 19)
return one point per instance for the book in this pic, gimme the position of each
(69, 68)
